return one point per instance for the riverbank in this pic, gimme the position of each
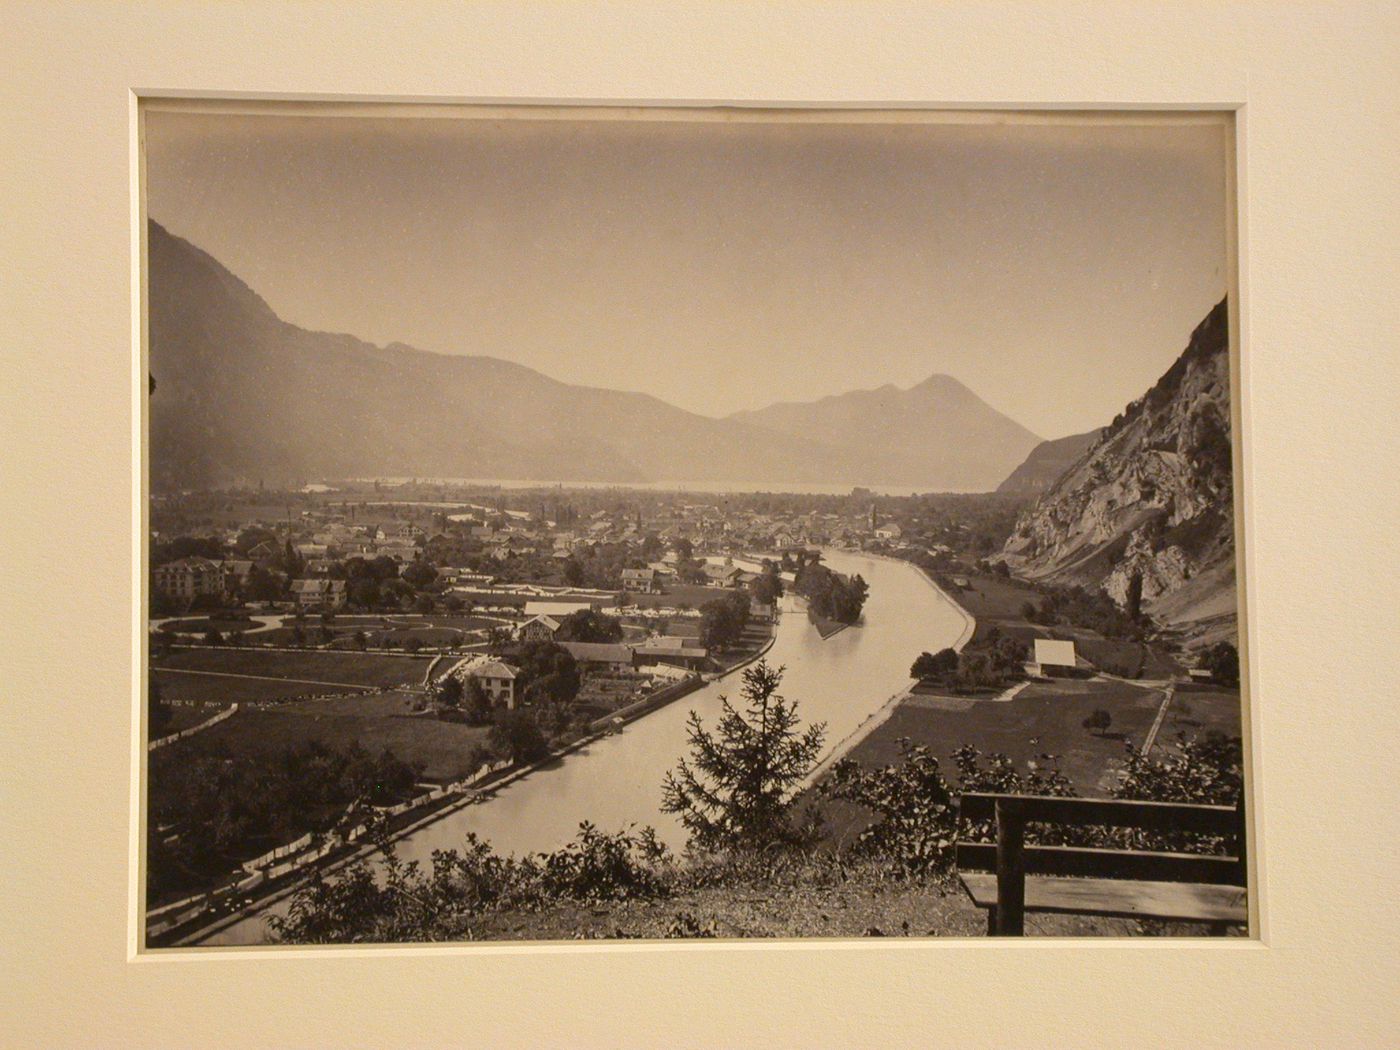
(440, 809)
(885, 711)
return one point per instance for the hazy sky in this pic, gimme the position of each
(726, 265)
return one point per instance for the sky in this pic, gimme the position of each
(721, 265)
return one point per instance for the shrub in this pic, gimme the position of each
(917, 819)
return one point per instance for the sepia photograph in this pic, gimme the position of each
(640, 523)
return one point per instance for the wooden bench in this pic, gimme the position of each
(1009, 878)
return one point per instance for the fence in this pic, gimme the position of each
(192, 730)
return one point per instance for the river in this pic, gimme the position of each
(616, 781)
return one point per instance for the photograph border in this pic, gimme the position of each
(762, 112)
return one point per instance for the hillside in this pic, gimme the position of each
(1153, 498)
(243, 396)
(1047, 461)
(938, 434)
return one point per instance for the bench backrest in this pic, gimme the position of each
(1011, 813)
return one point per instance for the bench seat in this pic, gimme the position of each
(1118, 898)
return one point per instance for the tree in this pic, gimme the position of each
(421, 573)
(734, 791)
(449, 691)
(516, 736)
(213, 636)
(361, 640)
(935, 665)
(768, 588)
(476, 703)
(573, 572)
(1222, 660)
(1099, 721)
(722, 620)
(586, 625)
(262, 586)
(685, 550)
(454, 603)
(423, 603)
(548, 673)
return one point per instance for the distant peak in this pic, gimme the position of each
(940, 381)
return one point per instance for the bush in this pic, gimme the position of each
(917, 817)
(1099, 721)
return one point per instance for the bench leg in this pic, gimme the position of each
(992, 921)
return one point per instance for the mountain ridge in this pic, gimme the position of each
(244, 395)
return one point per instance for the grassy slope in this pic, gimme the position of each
(441, 747)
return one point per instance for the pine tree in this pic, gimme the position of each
(734, 791)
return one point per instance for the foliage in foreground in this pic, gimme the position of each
(735, 790)
(402, 902)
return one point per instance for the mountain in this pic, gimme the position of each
(1047, 461)
(937, 435)
(242, 395)
(1152, 499)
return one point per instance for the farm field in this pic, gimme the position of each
(442, 748)
(1200, 709)
(245, 675)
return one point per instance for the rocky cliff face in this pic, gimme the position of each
(1151, 499)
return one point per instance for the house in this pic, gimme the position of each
(558, 610)
(1053, 657)
(190, 578)
(398, 552)
(409, 532)
(264, 553)
(889, 532)
(312, 550)
(319, 567)
(235, 573)
(673, 650)
(538, 629)
(318, 594)
(497, 679)
(722, 575)
(642, 581)
(602, 656)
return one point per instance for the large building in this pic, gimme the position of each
(190, 578)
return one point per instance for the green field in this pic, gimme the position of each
(441, 747)
(246, 675)
(1199, 709)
